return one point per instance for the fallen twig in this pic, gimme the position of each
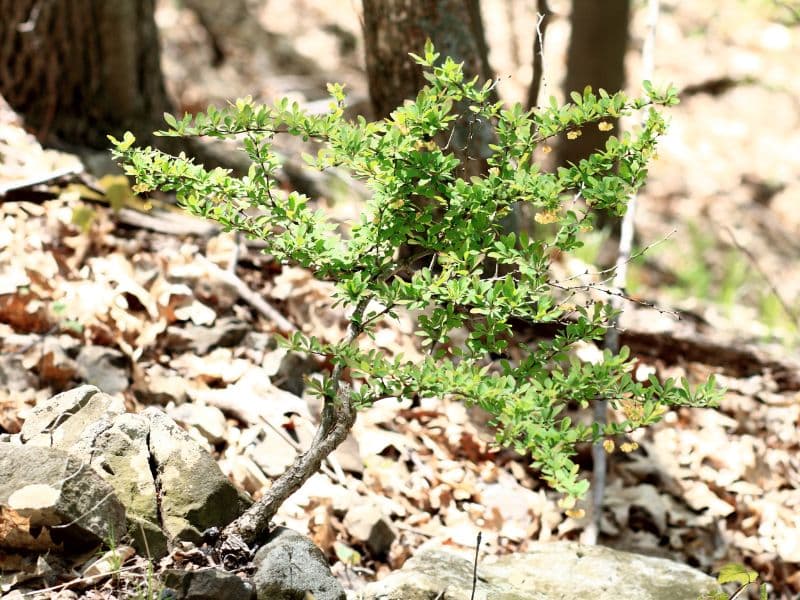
(249, 296)
(40, 179)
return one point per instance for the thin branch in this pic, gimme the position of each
(794, 10)
(599, 455)
(377, 315)
(631, 258)
(790, 311)
(739, 591)
(83, 580)
(40, 179)
(264, 171)
(538, 82)
(475, 566)
(616, 293)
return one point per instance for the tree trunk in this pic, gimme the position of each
(77, 70)
(596, 57)
(234, 29)
(393, 28)
(543, 15)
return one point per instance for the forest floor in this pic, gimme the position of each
(705, 487)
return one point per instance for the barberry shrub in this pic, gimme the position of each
(465, 273)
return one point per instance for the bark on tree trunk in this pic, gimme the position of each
(234, 29)
(78, 70)
(596, 57)
(393, 28)
(543, 15)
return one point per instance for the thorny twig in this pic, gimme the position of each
(788, 6)
(616, 292)
(538, 81)
(612, 270)
(599, 456)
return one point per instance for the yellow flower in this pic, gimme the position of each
(545, 217)
(628, 446)
(547, 149)
(566, 502)
(608, 445)
(573, 135)
(577, 513)
(632, 410)
(605, 126)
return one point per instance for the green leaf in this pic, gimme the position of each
(346, 554)
(736, 573)
(83, 217)
(170, 120)
(127, 141)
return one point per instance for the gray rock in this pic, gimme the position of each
(366, 523)
(195, 494)
(208, 420)
(256, 343)
(121, 454)
(287, 370)
(14, 376)
(48, 415)
(172, 489)
(549, 571)
(64, 419)
(59, 493)
(160, 386)
(104, 367)
(207, 584)
(289, 566)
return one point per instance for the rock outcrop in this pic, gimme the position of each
(51, 500)
(549, 571)
(172, 489)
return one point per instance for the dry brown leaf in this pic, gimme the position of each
(15, 532)
(24, 312)
(321, 524)
(217, 366)
(700, 497)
